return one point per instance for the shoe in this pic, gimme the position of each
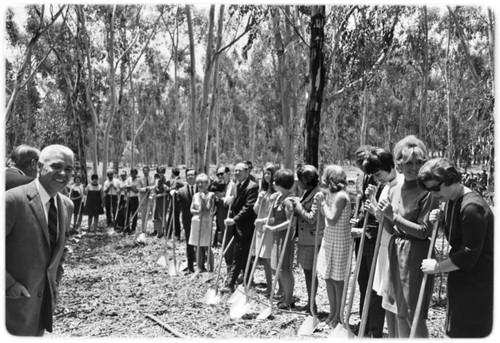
(354, 328)
(227, 289)
(283, 306)
(278, 297)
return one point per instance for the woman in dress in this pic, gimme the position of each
(307, 208)
(282, 214)
(335, 206)
(407, 207)
(76, 194)
(202, 209)
(95, 201)
(468, 228)
(262, 207)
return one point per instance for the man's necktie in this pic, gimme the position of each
(52, 223)
(147, 181)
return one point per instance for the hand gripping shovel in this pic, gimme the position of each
(212, 297)
(268, 310)
(241, 306)
(344, 331)
(239, 295)
(162, 257)
(311, 323)
(421, 295)
(369, 286)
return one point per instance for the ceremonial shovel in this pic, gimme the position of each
(212, 297)
(173, 265)
(418, 309)
(311, 323)
(162, 256)
(242, 305)
(268, 310)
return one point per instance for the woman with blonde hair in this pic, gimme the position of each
(407, 207)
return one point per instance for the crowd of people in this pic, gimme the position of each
(402, 198)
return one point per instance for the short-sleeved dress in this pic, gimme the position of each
(264, 238)
(201, 224)
(93, 205)
(469, 229)
(279, 215)
(76, 191)
(336, 243)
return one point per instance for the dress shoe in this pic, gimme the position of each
(227, 289)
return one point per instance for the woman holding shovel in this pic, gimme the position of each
(469, 229)
(336, 208)
(307, 208)
(282, 213)
(261, 208)
(202, 208)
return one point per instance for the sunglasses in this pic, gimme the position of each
(219, 174)
(435, 188)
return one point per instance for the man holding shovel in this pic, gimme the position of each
(243, 221)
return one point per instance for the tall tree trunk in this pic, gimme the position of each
(190, 129)
(364, 115)
(208, 135)
(449, 152)
(317, 83)
(425, 75)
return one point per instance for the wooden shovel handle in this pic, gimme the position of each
(223, 250)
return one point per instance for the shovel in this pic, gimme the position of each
(311, 323)
(173, 265)
(344, 330)
(241, 307)
(162, 256)
(212, 297)
(369, 286)
(269, 310)
(418, 309)
(239, 295)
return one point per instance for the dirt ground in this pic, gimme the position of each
(114, 287)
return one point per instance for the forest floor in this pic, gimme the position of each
(113, 287)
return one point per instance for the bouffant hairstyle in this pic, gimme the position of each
(334, 178)
(408, 148)
(439, 169)
(308, 175)
(161, 170)
(378, 159)
(202, 177)
(265, 186)
(284, 178)
(94, 177)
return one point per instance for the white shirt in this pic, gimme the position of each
(112, 191)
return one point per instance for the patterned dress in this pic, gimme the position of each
(336, 243)
(267, 239)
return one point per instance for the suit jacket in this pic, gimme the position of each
(29, 259)
(242, 209)
(183, 204)
(14, 178)
(308, 214)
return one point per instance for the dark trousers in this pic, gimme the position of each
(110, 202)
(133, 205)
(190, 249)
(175, 217)
(240, 251)
(228, 257)
(376, 314)
(122, 212)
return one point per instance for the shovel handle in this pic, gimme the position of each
(315, 261)
(249, 258)
(224, 250)
(421, 294)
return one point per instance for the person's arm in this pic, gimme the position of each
(289, 210)
(332, 213)
(195, 208)
(311, 215)
(246, 212)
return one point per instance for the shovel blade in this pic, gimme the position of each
(264, 314)
(162, 259)
(308, 326)
(212, 297)
(173, 268)
(341, 332)
(237, 295)
(239, 309)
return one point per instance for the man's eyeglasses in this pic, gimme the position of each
(219, 174)
(435, 188)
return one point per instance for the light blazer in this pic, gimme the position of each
(29, 261)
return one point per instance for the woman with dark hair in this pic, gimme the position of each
(407, 208)
(307, 210)
(95, 201)
(76, 194)
(468, 228)
(335, 206)
(262, 207)
(282, 214)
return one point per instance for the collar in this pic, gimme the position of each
(16, 170)
(44, 196)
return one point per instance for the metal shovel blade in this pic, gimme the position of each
(161, 259)
(237, 295)
(212, 297)
(173, 268)
(265, 313)
(308, 326)
(341, 332)
(238, 309)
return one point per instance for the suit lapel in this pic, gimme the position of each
(63, 220)
(38, 211)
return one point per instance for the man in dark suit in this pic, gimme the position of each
(22, 166)
(176, 184)
(182, 200)
(243, 219)
(38, 217)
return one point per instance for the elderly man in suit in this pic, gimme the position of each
(37, 219)
(21, 166)
(243, 220)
